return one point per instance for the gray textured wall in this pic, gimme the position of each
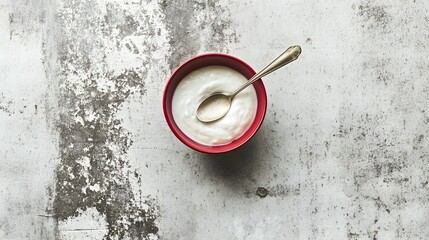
(85, 151)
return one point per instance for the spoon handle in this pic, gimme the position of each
(288, 56)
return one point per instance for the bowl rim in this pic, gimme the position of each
(221, 148)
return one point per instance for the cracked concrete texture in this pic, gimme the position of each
(86, 154)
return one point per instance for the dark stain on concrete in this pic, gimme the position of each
(281, 190)
(26, 18)
(94, 171)
(278, 190)
(374, 17)
(383, 143)
(373, 147)
(380, 204)
(11, 20)
(352, 235)
(261, 192)
(187, 20)
(379, 69)
(379, 151)
(5, 105)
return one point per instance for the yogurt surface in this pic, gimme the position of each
(200, 84)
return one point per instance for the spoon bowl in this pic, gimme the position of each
(214, 107)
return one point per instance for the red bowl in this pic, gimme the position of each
(208, 60)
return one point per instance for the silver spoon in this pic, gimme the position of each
(217, 105)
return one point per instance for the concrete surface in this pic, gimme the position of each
(86, 154)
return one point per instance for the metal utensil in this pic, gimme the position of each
(217, 105)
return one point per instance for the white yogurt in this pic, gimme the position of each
(200, 84)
